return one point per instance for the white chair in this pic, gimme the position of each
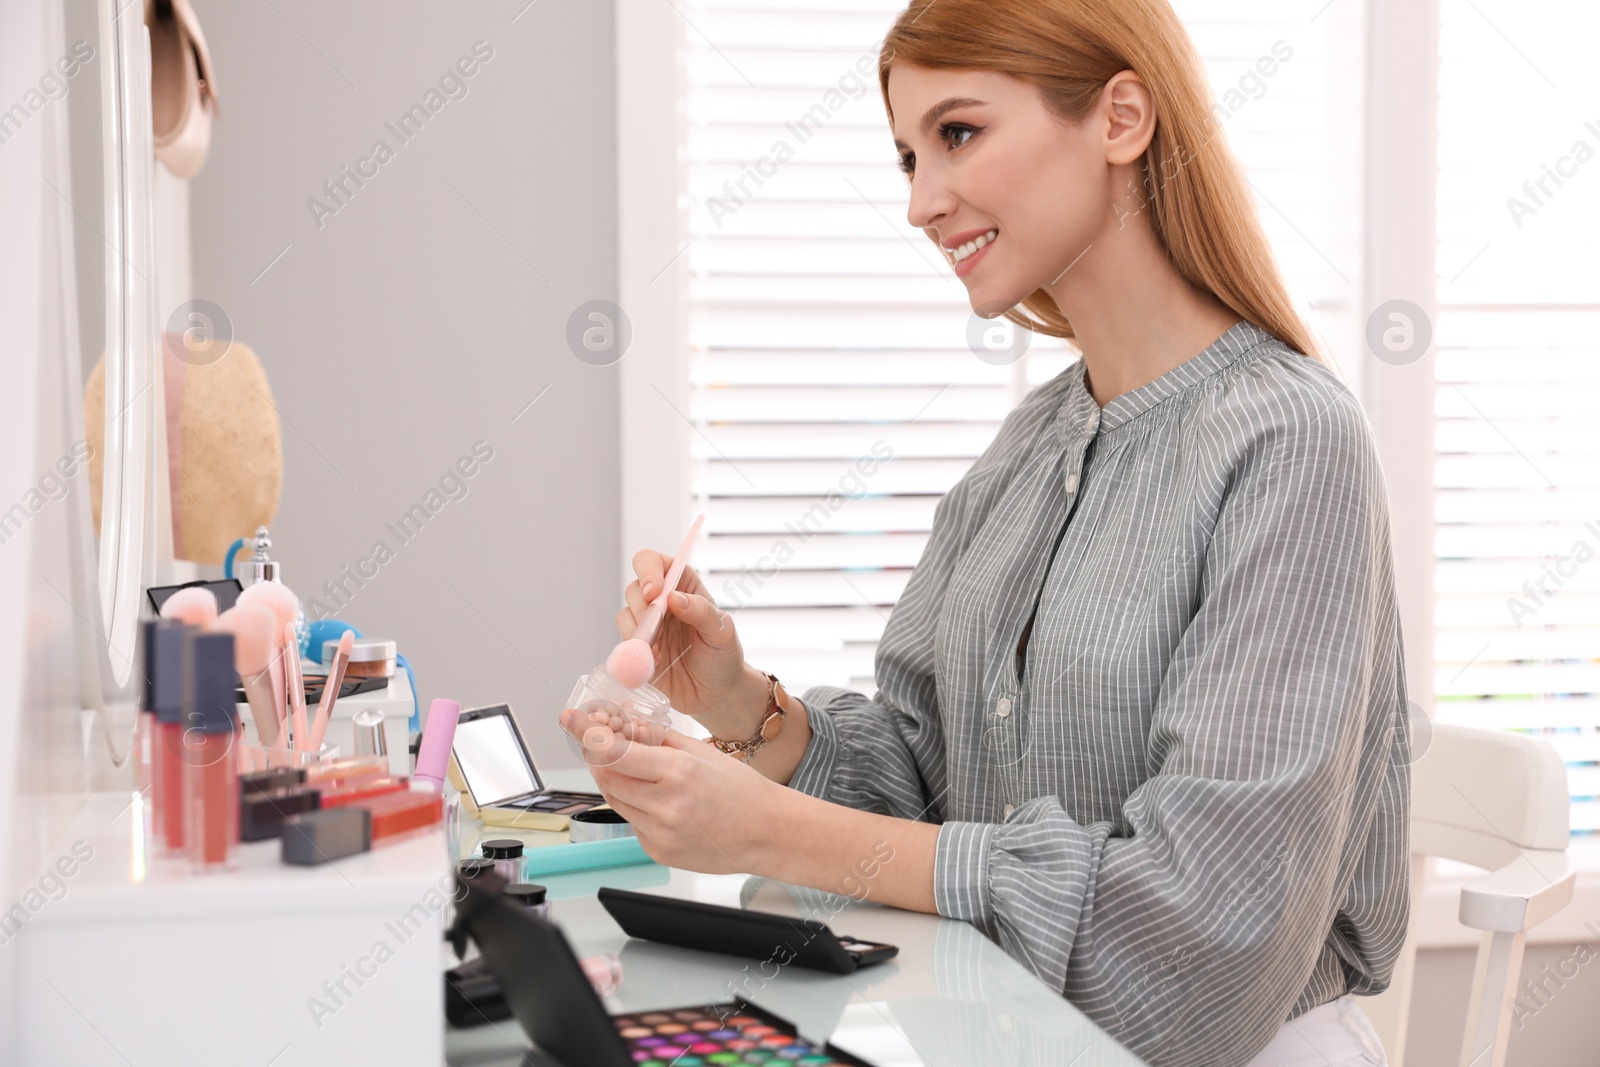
(1499, 801)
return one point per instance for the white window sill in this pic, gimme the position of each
(1440, 903)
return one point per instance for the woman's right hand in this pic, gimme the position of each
(699, 662)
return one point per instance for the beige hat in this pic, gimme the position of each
(224, 453)
(183, 89)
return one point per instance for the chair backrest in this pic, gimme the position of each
(1478, 796)
(1484, 797)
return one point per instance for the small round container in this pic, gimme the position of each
(474, 867)
(370, 657)
(530, 896)
(506, 853)
(641, 714)
(598, 824)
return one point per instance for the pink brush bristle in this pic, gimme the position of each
(254, 651)
(275, 597)
(631, 662)
(194, 606)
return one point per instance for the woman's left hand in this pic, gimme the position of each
(692, 806)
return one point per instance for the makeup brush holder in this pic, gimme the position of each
(641, 714)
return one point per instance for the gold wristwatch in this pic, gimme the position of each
(771, 724)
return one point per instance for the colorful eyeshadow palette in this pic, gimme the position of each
(717, 1034)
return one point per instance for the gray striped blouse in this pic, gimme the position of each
(1185, 803)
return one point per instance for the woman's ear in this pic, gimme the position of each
(1129, 116)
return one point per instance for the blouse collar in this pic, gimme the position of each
(1081, 416)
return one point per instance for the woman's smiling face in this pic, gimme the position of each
(984, 156)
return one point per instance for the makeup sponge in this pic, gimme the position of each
(194, 606)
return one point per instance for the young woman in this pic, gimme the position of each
(1141, 709)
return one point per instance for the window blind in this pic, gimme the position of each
(1517, 369)
(833, 392)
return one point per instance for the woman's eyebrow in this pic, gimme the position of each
(948, 104)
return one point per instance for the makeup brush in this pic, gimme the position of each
(253, 653)
(297, 688)
(330, 689)
(195, 606)
(284, 605)
(632, 662)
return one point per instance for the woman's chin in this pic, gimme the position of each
(990, 307)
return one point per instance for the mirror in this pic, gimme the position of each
(98, 82)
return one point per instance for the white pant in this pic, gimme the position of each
(1335, 1034)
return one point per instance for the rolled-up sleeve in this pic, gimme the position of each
(1192, 927)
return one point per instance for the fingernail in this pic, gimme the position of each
(680, 600)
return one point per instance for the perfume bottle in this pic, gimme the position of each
(258, 568)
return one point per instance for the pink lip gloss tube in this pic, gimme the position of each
(170, 676)
(210, 769)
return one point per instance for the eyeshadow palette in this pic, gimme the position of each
(735, 1033)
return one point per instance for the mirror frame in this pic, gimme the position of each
(130, 397)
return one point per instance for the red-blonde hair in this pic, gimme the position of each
(1198, 200)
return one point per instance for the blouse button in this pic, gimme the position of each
(1094, 421)
(1009, 808)
(1072, 481)
(1002, 707)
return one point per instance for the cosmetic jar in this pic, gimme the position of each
(641, 714)
(507, 856)
(210, 767)
(370, 657)
(530, 896)
(598, 824)
(474, 867)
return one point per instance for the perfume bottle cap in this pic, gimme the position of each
(258, 568)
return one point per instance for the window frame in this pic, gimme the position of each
(1398, 252)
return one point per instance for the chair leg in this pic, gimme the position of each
(1494, 987)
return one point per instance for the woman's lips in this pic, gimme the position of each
(966, 266)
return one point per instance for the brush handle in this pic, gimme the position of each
(279, 696)
(330, 693)
(297, 686)
(258, 692)
(650, 621)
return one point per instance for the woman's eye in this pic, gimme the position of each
(954, 127)
(908, 160)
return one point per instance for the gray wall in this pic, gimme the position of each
(424, 314)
